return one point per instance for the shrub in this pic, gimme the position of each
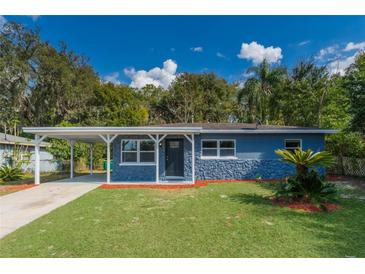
(9, 173)
(310, 187)
(307, 185)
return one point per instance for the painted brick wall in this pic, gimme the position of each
(147, 173)
(255, 157)
(130, 173)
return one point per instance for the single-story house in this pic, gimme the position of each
(185, 153)
(25, 148)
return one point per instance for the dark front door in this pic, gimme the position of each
(175, 158)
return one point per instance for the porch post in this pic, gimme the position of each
(157, 143)
(193, 158)
(108, 140)
(91, 159)
(108, 159)
(37, 161)
(72, 143)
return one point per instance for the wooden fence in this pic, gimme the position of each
(348, 166)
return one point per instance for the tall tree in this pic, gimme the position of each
(18, 51)
(116, 105)
(40, 85)
(197, 98)
(260, 93)
(305, 95)
(62, 86)
(355, 84)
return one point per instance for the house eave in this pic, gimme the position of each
(71, 131)
(50, 131)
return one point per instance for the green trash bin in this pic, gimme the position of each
(105, 165)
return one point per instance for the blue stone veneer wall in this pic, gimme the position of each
(132, 173)
(147, 173)
(255, 158)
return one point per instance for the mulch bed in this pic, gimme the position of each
(305, 205)
(13, 188)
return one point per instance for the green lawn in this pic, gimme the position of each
(219, 220)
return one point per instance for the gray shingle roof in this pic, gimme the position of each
(227, 126)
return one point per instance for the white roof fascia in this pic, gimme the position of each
(155, 130)
(50, 131)
(270, 131)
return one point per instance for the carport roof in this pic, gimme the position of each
(93, 134)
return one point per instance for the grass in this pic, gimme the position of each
(219, 220)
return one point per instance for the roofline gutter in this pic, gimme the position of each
(110, 130)
(157, 130)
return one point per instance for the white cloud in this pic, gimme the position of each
(355, 46)
(2, 22)
(339, 66)
(221, 55)
(336, 59)
(257, 53)
(303, 43)
(197, 49)
(112, 78)
(326, 52)
(156, 76)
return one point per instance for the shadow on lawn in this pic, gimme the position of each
(254, 199)
(336, 234)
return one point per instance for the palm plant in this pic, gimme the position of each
(258, 94)
(303, 160)
(307, 184)
(9, 173)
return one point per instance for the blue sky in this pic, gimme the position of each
(119, 47)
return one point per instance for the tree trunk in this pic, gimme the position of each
(302, 170)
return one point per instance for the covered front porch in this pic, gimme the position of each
(173, 160)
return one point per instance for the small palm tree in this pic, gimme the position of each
(303, 160)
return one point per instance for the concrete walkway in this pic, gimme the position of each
(22, 207)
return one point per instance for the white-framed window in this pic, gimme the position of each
(135, 152)
(218, 148)
(292, 144)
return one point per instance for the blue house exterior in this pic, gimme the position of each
(187, 152)
(246, 152)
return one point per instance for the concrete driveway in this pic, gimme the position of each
(22, 207)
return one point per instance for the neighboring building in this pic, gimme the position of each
(198, 151)
(26, 148)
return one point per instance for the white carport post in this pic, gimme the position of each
(193, 158)
(37, 168)
(192, 141)
(72, 144)
(91, 159)
(108, 140)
